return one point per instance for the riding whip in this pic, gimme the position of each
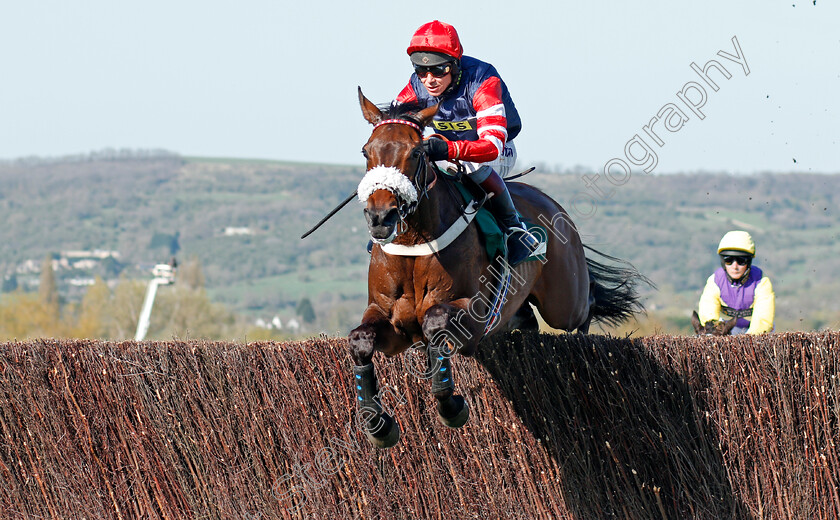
(330, 214)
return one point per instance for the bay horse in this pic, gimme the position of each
(432, 286)
(712, 327)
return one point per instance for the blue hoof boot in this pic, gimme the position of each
(386, 435)
(457, 417)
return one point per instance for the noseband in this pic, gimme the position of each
(419, 182)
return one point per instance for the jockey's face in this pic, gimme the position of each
(436, 86)
(735, 270)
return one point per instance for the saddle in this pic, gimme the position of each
(490, 233)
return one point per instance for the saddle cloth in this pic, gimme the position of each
(491, 234)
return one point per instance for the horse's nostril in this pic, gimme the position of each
(378, 218)
(390, 217)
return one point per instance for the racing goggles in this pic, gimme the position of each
(740, 260)
(437, 71)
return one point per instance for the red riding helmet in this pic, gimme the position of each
(435, 37)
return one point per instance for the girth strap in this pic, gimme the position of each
(736, 313)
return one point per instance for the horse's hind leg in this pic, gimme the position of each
(446, 336)
(524, 319)
(584, 329)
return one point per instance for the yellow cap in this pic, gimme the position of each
(736, 242)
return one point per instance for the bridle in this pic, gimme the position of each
(420, 181)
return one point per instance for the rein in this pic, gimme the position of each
(405, 209)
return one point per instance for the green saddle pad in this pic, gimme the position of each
(491, 233)
(488, 228)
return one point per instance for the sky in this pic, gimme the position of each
(265, 79)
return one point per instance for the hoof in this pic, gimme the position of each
(459, 417)
(388, 434)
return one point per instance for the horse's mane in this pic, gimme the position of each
(404, 111)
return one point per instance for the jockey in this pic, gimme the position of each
(738, 288)
(477, 117)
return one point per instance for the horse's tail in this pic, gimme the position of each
(614, 288)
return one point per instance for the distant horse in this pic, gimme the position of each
(432, 286)
(712, 327)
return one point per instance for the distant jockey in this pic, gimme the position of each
(476, 115)
(739, 289)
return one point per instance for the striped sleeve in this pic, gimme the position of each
(491, 122)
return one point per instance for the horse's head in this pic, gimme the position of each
(396, 166)
(712, 327)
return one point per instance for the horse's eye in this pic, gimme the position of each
(417, 152)
(365, 154)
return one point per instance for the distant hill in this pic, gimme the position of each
(243, 220)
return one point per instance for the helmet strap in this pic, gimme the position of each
(456, 78)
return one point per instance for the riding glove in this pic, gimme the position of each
(436, 148)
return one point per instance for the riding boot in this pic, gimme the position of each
(520, 242)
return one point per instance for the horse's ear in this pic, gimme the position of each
(695, 321)
(425, 116)
(369, 110)
(729, 325)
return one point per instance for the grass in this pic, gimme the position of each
(347, 281)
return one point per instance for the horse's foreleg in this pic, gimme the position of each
(449, 329)
(381, 429)
(452, 409)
